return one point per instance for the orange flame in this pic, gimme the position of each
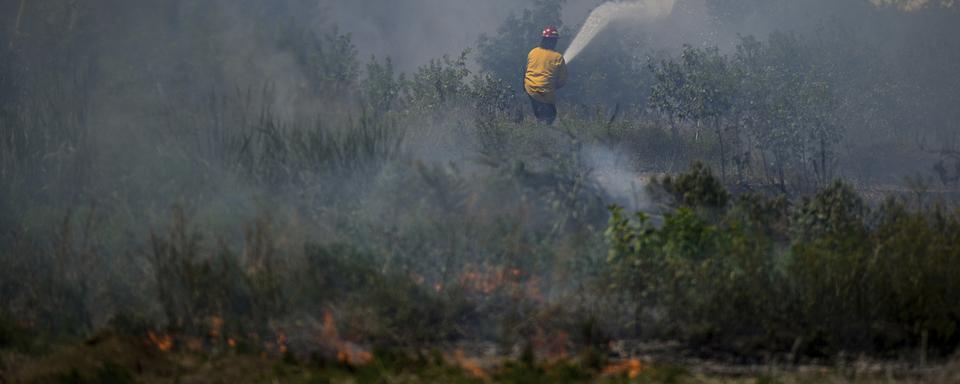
(216, 326)
(533, 291)
(329, 327)
(487, 279)
(163, 342)
(470, 365)
(552, 347)
(347, 353)
(194, 344)
(632, 368)
(282, 342)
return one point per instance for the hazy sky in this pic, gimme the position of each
(413, 31)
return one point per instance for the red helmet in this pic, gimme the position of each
(551, 32)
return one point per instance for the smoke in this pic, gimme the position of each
(176, 92)
(635, 11)
(622, 184)
(912, 5)
(411, 32)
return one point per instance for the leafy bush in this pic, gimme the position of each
(440, 84)
(697, 188)
(381, 88)
(772, 100)
(329, 61)
(826, 273)
(494, 101)
(699, 88)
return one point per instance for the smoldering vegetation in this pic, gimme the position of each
(234, 175)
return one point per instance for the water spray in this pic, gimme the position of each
(632, 11)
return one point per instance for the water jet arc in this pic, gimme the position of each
(639, 11)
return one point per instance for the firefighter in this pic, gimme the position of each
(546, 73)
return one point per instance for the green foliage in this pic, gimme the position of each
(493, 101)
(667, 374)
(835, 210)
(381, 88)
(772, 100)
(696, 188)
(787, 106)
(248, 138)
(829, 272)
(766, 215)
(440, 83)
(695, 271)
(701, 88)
(328, 61)
(698, 87)
(918, 269)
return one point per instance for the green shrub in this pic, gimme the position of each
(381, 88)
(914, 270)
(493, 100)
(329, 60)
(828, 273)
(696, 188)
(440, 84)
(829, 263)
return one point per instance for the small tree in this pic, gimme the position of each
(699, 88)
(381, 88)
(786, 106)
(440, 82)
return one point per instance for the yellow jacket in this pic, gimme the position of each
(546, 73)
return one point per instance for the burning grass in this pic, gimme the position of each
(113, 358)
(345, 247)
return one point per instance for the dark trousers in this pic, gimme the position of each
(545, 113)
